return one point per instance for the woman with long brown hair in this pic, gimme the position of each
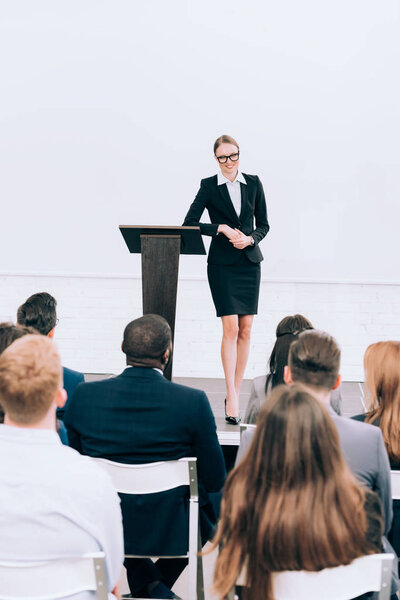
(292, 503)
(382, 383)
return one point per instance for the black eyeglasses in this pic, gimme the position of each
(223, 159)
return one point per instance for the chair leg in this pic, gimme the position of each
(193, 532)
(200, 575)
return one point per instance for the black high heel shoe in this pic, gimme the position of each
(231, 420)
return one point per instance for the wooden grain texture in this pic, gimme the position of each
(160, 263)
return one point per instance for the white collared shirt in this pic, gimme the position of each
(55, 502)
(233, 189)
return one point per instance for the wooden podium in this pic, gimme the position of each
(160, 248)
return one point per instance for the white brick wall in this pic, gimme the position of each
(93, 312)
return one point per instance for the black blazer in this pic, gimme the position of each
(71, 379)
(140, 416)
(216, 199)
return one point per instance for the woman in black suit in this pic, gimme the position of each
(233, 200)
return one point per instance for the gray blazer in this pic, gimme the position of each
(365, 453)
(257, 399)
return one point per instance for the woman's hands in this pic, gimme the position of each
(235, 236)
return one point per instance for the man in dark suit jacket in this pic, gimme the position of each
(39, 311)
(139, 417)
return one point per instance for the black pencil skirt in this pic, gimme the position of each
(235, 288)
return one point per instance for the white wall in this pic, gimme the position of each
(94, 311)
(109, 108)
(108, 112)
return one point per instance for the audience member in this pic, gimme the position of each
(53, 502)
(382, 383)
(314, 361)
(287, 331)
(139, 417)
(292, 503)
(39, 311)
(8, 334)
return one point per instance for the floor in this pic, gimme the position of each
(353, 403)
(352, 395)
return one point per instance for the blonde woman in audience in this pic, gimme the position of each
(382, 383)
(292, 503)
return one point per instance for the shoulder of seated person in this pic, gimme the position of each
(68, 371)
(362, 428)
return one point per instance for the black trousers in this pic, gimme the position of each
(143, 571)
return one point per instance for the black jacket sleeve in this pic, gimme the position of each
(260, 214)
(197, 208)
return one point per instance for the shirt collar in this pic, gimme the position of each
(153, 368)
(222, 179)
(29, 435)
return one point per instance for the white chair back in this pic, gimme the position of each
(395, 480)
(156, 477)
(150, 478)
(53, 579)
(244, 426)
(370, 573)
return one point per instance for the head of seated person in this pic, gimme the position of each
(286, 332)
(292, 503)
(30, 383)
(8, 334)
(314, 361)
(147, 342)
(382, 384)
(39, 311)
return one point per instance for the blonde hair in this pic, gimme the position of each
(382, 381)
(225, 139)
(30, 374)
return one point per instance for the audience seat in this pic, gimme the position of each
(365, 574)
(156, 477)
(58, 578)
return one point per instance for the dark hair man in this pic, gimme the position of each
(52, 502)
(39, 311)
(139, 417)
(8, 334)
(314, 361)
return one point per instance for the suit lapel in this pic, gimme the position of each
(243, 194)
(223, 190)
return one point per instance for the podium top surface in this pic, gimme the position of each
(191, 241)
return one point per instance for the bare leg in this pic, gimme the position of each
(230, 332)
(243, 348)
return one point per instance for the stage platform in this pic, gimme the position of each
(228, 435)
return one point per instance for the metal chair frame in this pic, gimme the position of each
(155, 477)
(54, 578)
(395, 484)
